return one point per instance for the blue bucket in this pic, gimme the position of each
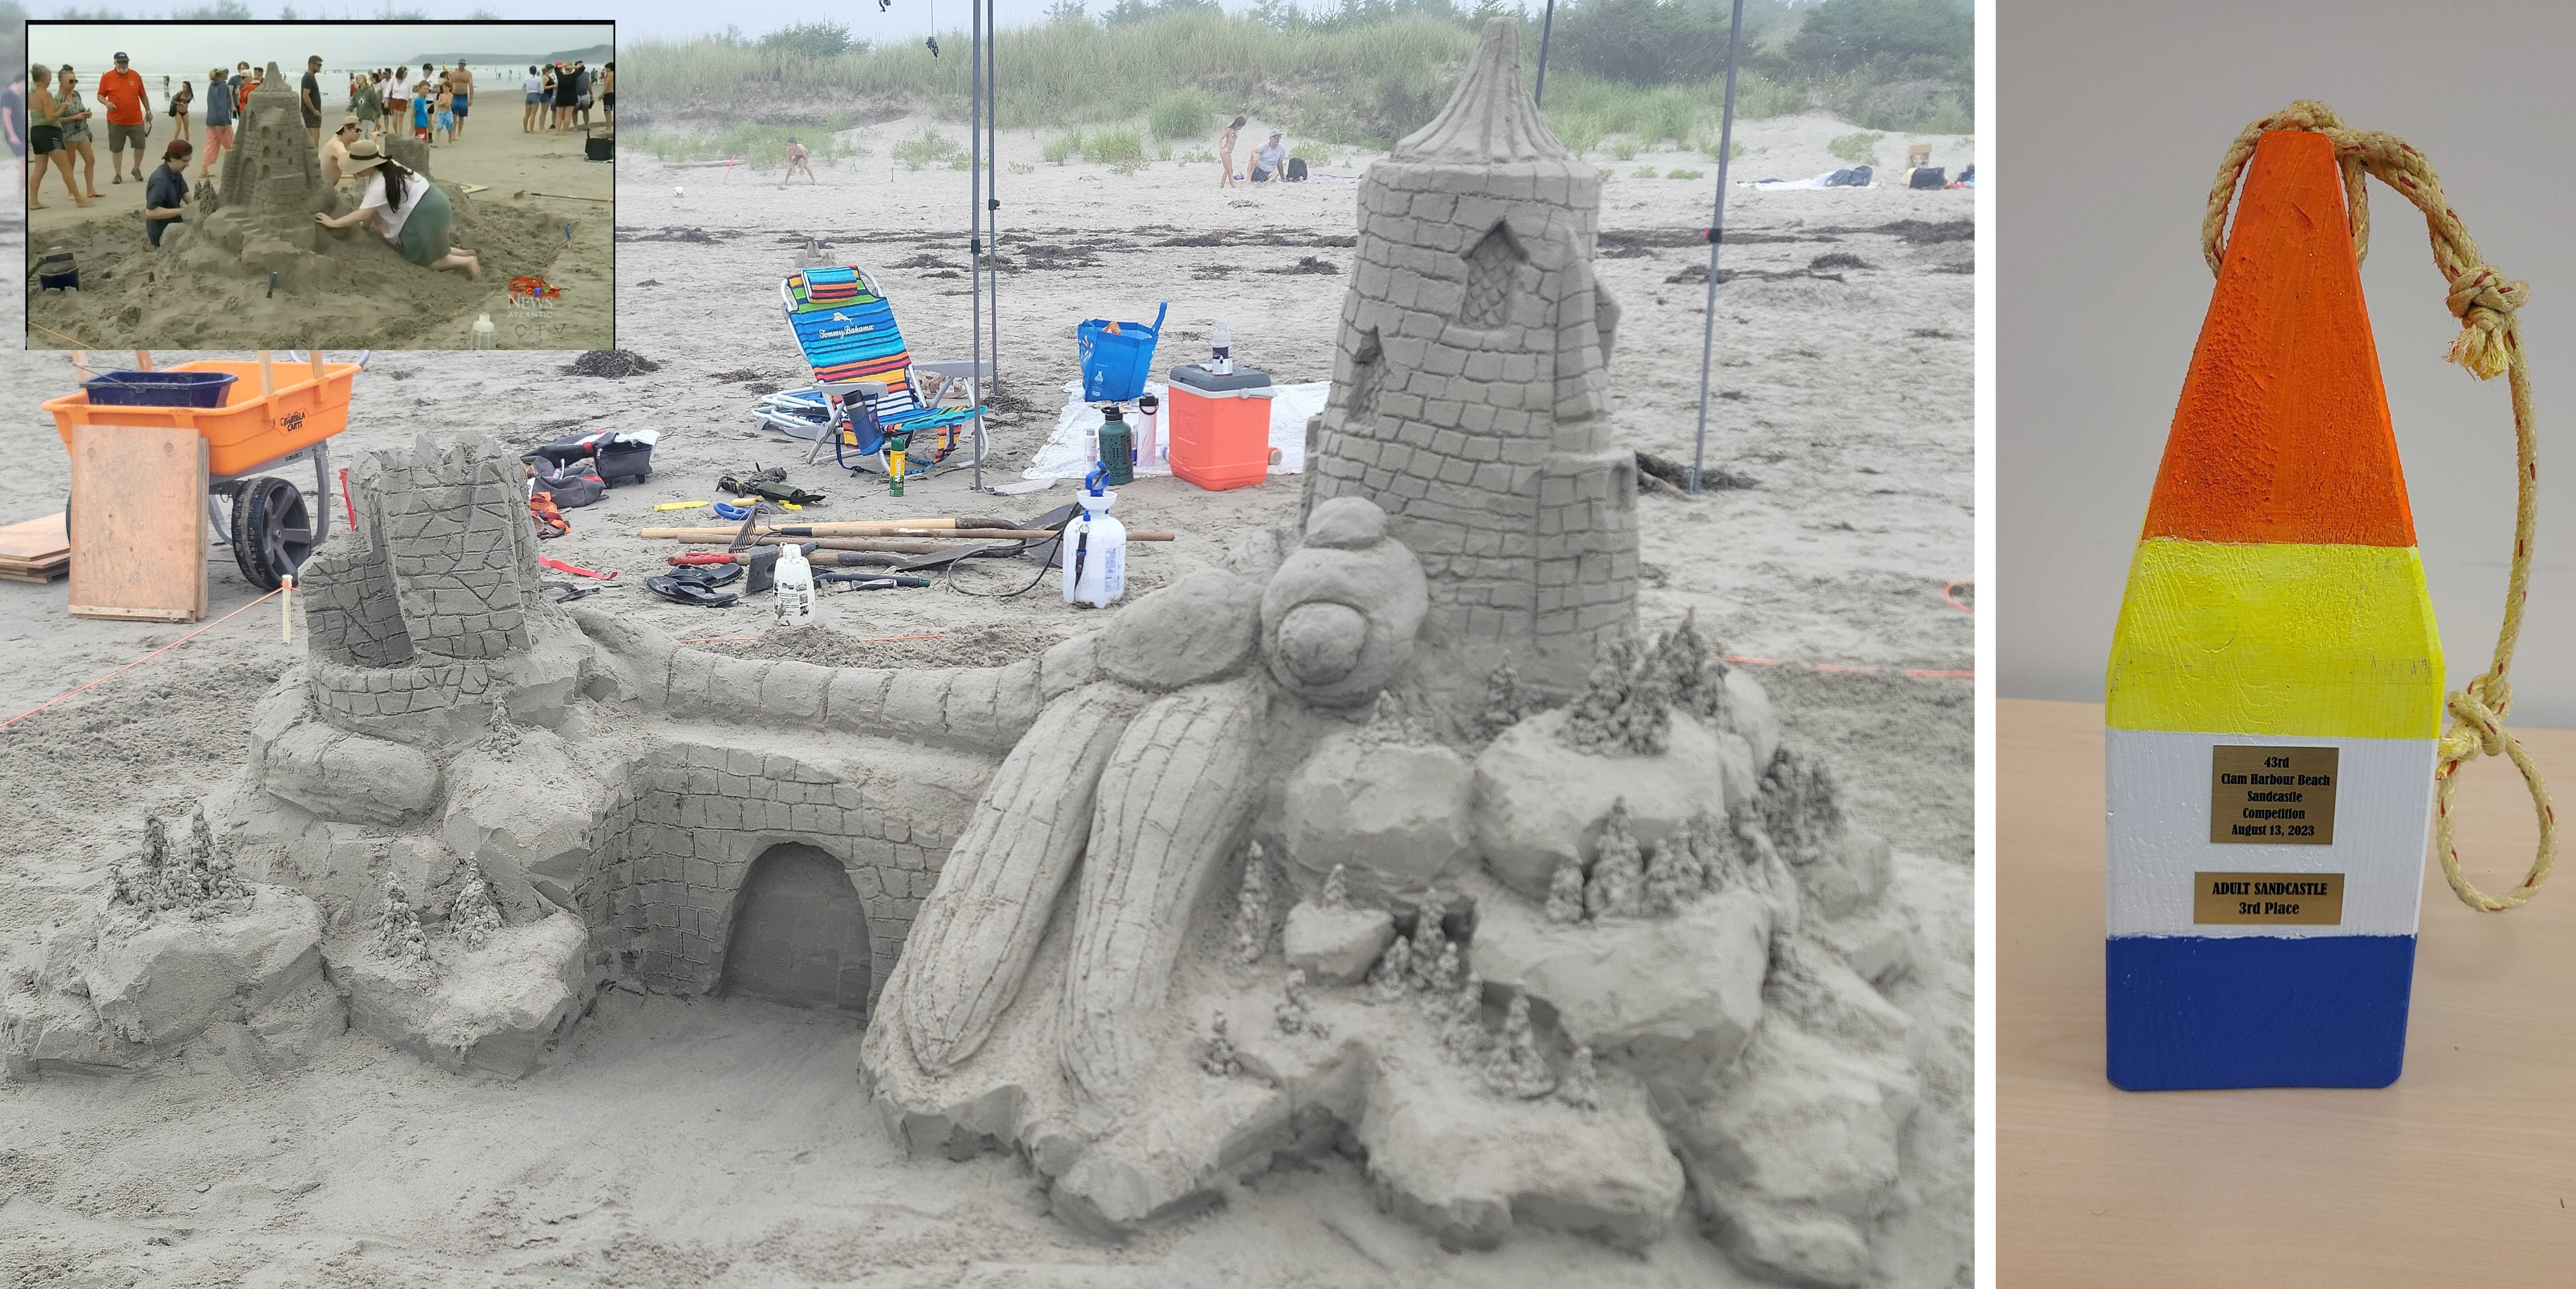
(158, 388)
(1115, 365)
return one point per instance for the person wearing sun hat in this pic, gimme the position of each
(409, 210)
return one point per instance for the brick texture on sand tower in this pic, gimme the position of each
(1470, 393)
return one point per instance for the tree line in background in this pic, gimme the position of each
(1622, 73)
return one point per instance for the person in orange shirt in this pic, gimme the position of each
(129, 116)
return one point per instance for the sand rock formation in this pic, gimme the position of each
(1018, 877)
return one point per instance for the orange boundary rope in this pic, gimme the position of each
(139, 661)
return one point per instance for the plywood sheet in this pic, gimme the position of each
(34, 541)
(138, 523)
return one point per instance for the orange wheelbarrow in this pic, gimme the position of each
(275, 413)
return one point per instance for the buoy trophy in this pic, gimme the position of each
(2275, 684)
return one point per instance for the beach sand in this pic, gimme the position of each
(134, 297)
(725, 1141)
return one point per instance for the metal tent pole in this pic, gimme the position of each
(985, 390)
(975, 225)
(1716, 235)
(1545, 26)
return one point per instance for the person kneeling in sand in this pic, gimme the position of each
(335, 152)
(165, 194)
(409, 210)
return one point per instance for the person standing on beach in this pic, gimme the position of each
(1225, 153)
(219, 119)
(179, 108)
(45, 138)
(608, 93)
(398, 94)
(364, 105)
(796, 160)
(312, 100)
(241, 89)
(446, 110)
(460, 84)
(165, 195)
(581, 82)
(564, 96)
(75, 117)
(13, 119)
(129, 117)
(420, 105)
(534, 87)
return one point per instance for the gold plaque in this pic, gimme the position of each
(2272, 796)
(2300, 899)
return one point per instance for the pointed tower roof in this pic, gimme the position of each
(2282, 434)
(1490, 118)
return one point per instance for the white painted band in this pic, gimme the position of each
(2157, 792)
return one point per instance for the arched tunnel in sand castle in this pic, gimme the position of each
(1393, 837)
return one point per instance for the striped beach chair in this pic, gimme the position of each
(869, 394)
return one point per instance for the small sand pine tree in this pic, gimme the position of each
(1580, 1087)
(1394, 975)
(1514, 1068)
(1625, 708)
(1565, 894)
(1505, 702)
(475, 915)
(1218, 1057)
(1443, 977)
(1429, 938)
(1715, 851)
(1337, 890)
(1252, 909)
(1617, 888)
(1820, 803)
(1784, 811)
(1672, 876)
(500, 735)
(1697, 679)
(1462, 1021)
(398, 935)
(1294, 1013)
(203, 884)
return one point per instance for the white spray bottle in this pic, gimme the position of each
(1221, 352)
(792, 583)
(1093, 548)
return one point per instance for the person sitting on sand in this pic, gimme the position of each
(796, 161)
(1225, 153)
(1267, 159)
(45, 138)
(335, 152)
(219, 120)
(534, 87)
(165, 194)
(407, 208)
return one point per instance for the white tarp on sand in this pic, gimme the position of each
(1066, 453)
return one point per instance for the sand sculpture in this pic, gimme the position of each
(256, 216)
(1591, 950)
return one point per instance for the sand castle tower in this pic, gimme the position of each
(272, 174)
(1470, 394)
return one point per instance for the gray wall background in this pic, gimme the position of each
(2111, 120)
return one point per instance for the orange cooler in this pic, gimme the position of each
(1219, 426)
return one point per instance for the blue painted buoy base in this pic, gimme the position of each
(2326, 1011)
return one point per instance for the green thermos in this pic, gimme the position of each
(1117, 445)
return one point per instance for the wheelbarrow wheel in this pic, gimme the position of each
(272, 531)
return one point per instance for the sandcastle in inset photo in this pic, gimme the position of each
(1395, 838)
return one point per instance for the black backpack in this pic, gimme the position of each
(1296, 170)
(1930, 177)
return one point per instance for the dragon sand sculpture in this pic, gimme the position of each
(1571, 939)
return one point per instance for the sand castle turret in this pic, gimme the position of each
(1470, 394)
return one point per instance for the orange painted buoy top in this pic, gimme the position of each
(2282, 434)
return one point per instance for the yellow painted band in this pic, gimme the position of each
(2330, 641)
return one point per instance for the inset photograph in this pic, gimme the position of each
(354, 185)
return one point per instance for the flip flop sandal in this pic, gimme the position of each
(681, 592)
(710, 574)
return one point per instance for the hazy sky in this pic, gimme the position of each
(165, 45)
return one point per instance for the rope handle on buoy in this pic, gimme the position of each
(2489, 345)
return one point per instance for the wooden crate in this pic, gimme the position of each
(138, 523)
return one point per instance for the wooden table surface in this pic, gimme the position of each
(2461, 1174)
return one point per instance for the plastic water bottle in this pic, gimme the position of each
(1094, 549)
(1117, 445)
(792, 580)
(1221, 357)
(1149, 431)
(483, 337)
